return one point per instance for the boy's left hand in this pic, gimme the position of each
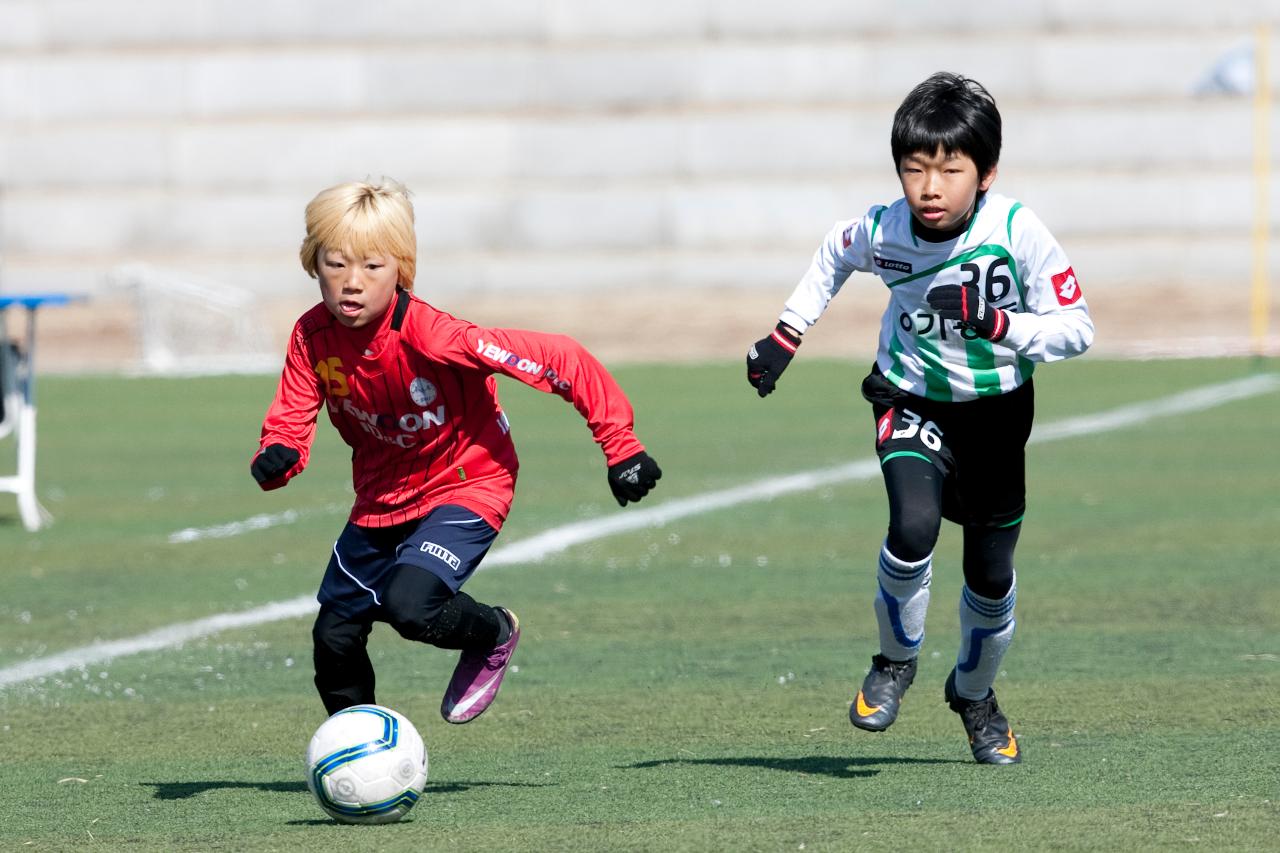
(633, 477)
(965, 303)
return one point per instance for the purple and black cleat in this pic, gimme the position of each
(478, 676)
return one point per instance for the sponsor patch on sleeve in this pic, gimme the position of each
(1065, 287)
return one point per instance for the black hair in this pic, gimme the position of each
(952, 112)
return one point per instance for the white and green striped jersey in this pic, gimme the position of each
(1007, 252)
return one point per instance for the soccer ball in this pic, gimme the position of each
(366, 764)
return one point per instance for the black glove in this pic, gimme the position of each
(768, 357)
(273, 462)
(965, 303)
(633, 477)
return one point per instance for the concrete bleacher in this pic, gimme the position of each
(576, 144)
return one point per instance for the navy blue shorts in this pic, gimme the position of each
(449, 542)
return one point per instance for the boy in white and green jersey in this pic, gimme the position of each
(979, 293)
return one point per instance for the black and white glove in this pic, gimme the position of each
(768, 357)
(272, 463)
(965, 303)
(633, 477)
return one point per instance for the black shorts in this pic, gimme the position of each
(978, 445)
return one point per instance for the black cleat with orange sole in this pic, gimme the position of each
(876, 706)
(990, 737)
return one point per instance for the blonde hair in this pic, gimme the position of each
(362, 219)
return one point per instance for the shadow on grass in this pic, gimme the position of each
(451, 788)
(185, 790)
(837, 767)
(459, 787)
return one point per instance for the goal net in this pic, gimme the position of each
(190, 325)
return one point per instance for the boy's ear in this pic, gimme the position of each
(988, 179)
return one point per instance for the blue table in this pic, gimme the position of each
(18, 385)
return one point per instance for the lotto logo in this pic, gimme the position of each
(1066, 287)
(883, 426)
(847, 237)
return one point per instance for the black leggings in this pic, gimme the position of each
(421, 607)
(914, 487)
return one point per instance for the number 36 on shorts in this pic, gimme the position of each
(902, 426)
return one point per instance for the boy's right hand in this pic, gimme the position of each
(768, 357)
(272, 463)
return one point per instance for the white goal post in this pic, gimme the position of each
(189, 325)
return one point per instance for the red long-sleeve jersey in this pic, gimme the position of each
(415, 397)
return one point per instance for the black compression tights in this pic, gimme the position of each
(915, 507)
(914, 488)
(988, 559)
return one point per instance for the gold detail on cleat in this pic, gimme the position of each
(863, 709)
(1010, 750)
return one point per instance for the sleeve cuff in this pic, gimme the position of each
(794, 320)
(622, 445)
(1017, 334)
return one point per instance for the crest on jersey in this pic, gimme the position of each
(1065, 287)
(422, 392)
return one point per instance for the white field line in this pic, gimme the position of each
(560, 538)
(161, 638)
(234, 528)
(261, 521)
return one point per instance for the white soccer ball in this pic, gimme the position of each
(366, 764)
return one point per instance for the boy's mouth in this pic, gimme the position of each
(932, 214)
(350, 307)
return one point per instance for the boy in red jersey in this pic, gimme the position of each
(412, 390)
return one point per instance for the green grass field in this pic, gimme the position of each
(683, 687)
